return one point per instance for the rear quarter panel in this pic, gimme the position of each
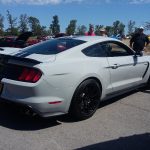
(67, 75)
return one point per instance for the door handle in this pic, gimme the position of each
(115, 66)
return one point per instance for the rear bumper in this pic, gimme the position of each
(40, 98)
(31, 108)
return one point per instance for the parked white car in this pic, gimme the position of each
(71, 75)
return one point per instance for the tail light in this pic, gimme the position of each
(31, 75)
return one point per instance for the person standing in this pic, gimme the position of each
(139, 41)
(103, 32)
(91, 31)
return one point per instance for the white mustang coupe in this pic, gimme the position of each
(71, 75)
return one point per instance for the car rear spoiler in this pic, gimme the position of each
(4, 59)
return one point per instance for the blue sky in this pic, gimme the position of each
(103, 12)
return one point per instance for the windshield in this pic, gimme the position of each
(51, 47)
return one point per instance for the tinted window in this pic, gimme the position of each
(50, 47)
(97, 50)
(118, 49)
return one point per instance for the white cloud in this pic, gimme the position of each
(139, 1)
(32, 2)
(46, 2)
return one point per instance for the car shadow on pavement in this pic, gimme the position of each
(134, 142)
(13, 119)
(68, 119)
(145, 90)
(115, 99)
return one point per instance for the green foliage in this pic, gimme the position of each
(81, 30)
(131, 27)
(41, 31)
(36, 28)
(147, 25)
(1, 24)
(13, 30)
(109, 30)
(118, 28)
(54, 26)
(23, 23)
(34, 24)
(70, 30)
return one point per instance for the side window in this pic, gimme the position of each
(96, 50)
(118, 49)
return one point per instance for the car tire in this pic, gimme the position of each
(148, 83)
(86, 100)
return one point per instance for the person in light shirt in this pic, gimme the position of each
(103, 32)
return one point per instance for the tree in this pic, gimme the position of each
(81, 30)
(131, 27)
(34, 24)
(23, 23)
(115, 27)
(121, 29)
(41, 30)
(13, 30)
(147, 25)
(97, 29)
(70, 30)
(1, 24)
(118, 28)
(109, 30)
(54, 26)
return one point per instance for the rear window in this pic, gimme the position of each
(51, 47)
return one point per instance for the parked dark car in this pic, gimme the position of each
(19, 42)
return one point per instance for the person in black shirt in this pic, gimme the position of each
(139, 41)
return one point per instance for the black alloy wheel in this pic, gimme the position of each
(86, 99)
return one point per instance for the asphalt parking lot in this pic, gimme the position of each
(123, 123)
